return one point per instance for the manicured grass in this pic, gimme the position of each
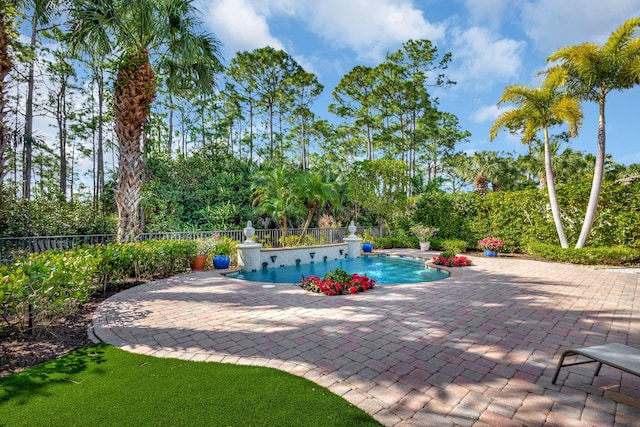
(102, 385)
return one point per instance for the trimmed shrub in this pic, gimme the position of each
(616, 255)
(520, 218)
(395, 242)
(456, 246)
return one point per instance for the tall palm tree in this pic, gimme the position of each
(135, 31)
(540, 108)
(591, 72)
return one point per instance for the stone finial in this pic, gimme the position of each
(352, 229)
(249, 232)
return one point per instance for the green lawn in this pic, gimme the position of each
(102, 385)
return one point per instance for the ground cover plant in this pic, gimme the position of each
(337, 282)
(103, 385)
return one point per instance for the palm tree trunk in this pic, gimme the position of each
(598, 174)
(312, 209)
(551, 187)
(135, 89)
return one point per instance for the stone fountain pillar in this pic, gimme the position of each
(249, 251)
(353, 242)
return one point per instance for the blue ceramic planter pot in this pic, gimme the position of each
(221, 262)
(367, 247)
(488, 252)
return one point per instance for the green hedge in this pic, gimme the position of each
(395, 242)
(520, 218)
(616, 255)
(56, 282)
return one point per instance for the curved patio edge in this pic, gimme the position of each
(478, 347)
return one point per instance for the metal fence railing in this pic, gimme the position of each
(10, 247)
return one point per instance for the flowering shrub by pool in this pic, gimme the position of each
(449, 259)
(337, 282)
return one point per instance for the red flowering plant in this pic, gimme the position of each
(450, 259)
(490, 243)
(337, 282)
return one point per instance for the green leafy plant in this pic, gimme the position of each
(206, 246)
(56, 282)
(616, 255)
(305, 240)
(224, 247)
(337, 275)
(423, 232)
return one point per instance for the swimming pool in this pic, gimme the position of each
(383, 269)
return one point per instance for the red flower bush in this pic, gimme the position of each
(358, 283)
(452, 261)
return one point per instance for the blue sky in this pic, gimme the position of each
(494, 43)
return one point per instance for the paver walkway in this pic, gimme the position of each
(478, 348)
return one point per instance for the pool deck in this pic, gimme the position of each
(476, 349)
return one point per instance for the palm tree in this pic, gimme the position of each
(136, 30)
(316, 193)
(540, 108)
(275, 195)
(487, 169)
(591, 72)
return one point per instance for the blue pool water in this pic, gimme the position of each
(383, 269)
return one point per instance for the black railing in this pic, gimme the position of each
(11, 247)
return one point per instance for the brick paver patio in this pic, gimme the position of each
(476, 349)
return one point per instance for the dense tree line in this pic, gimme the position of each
(151, 128)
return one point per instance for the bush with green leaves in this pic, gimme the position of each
(456, 246)
(56, 282)
(305, 240)
(520, 218)
(48, 215)
(615, 255)
(395, 242)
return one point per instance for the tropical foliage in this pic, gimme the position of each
(591, 73)
(156, 146)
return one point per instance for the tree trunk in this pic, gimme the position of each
(598, 174)
(551, 187)
(6, 65)
(134, 92)
(61, 119)
(481, 184)
(170, 136)
(312, 209)
(100, 189)
(28, 119)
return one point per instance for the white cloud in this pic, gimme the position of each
(487, 113)
(552, 24)
(489, 12)
(482, 59)
(239, 25)
(370, 28)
